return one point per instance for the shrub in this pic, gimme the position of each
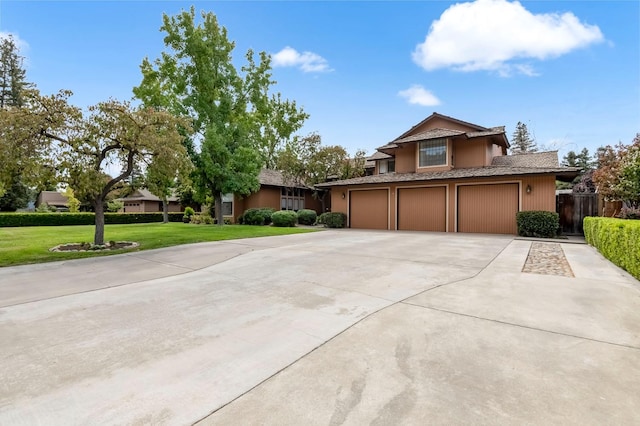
(115, 206)
(260, 216)
(284, 218)
(45, 208)
(617, 239)
(535, 223)
(202, 219)
(188, 212)
(333, 220)
(59, 219)
(307, 217)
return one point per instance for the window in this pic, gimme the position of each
(433, 153)
(227, 204)
(386, 166)
(292, 199)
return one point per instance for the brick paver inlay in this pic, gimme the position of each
(547, 259)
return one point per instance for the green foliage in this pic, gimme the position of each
(617, 239)
(618, 173)
(307, 217)
(188, 212)
(542, 224)
(16, 197)
(57, 219)
(114, 206)
(202, 219)
(240, 121)
(333, 220)
(284, 218)
(74, 203)
(259, 216)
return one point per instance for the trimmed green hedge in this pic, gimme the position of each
(59, 219)
(538, 223)
(256, 216)
(307, 217)
(333, 220)
(617, 239)
(284, 218)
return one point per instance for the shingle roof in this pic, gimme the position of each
(537, 159)
(144, 194)
(480, 172)
(430, 134)
(276, 178)
(378, 156)
(435, 114)
(494, 131)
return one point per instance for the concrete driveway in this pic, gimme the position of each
(334, 327)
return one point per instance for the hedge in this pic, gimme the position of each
(307, 217)
(617, 239)
(538, 223)
(333, 220)
(284, 218)
(59, 219)
(256, 216)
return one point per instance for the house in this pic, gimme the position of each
(276, 192)
(53, 199)
(143, 201)
(448, 175)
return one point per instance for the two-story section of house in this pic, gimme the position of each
(449, 175)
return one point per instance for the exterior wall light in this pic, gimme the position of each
(528, 189)
(343, 195)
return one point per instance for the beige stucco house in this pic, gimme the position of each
(449, 175)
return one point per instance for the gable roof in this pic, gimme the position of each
(144, 194)
(270, 177)
(445, 117)
(535, 159)
(379, 156)
(53, 198)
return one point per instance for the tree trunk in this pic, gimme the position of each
(165, 211)
(217, 199)
(98, 238)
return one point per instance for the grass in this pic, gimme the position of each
(31, 244)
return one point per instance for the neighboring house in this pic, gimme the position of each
(275, 192)
(53, 199)
(143, 201)
(448, 175)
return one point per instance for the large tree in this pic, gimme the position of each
(521, 141)
(16, 159)
(80, 147)
(309, 162)
(618, 174)
(239, 125)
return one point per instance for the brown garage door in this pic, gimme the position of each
(422, 209)
(369, 209)
(488, 209)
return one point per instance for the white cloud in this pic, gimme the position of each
(492, 34)
(306, 61)
(418, 95)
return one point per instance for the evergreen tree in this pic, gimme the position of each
(12, 74)
(521, 141)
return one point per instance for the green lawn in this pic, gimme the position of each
(31, 244)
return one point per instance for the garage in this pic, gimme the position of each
(422, 209)
(369, 209)
(489, 208)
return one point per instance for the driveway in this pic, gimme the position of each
(334, 327)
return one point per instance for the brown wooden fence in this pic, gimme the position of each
(573, 208)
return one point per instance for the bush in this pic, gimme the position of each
(202, 219)
(284, 218)
(188, 212)
(535, 223)
(59, 219)
(617, 239)
(307, 217)
(333, 220)
(629, 213)
(260, 216)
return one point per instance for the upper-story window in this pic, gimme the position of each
(386, 166)
(433, 153)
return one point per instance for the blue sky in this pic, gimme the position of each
(367, 71)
